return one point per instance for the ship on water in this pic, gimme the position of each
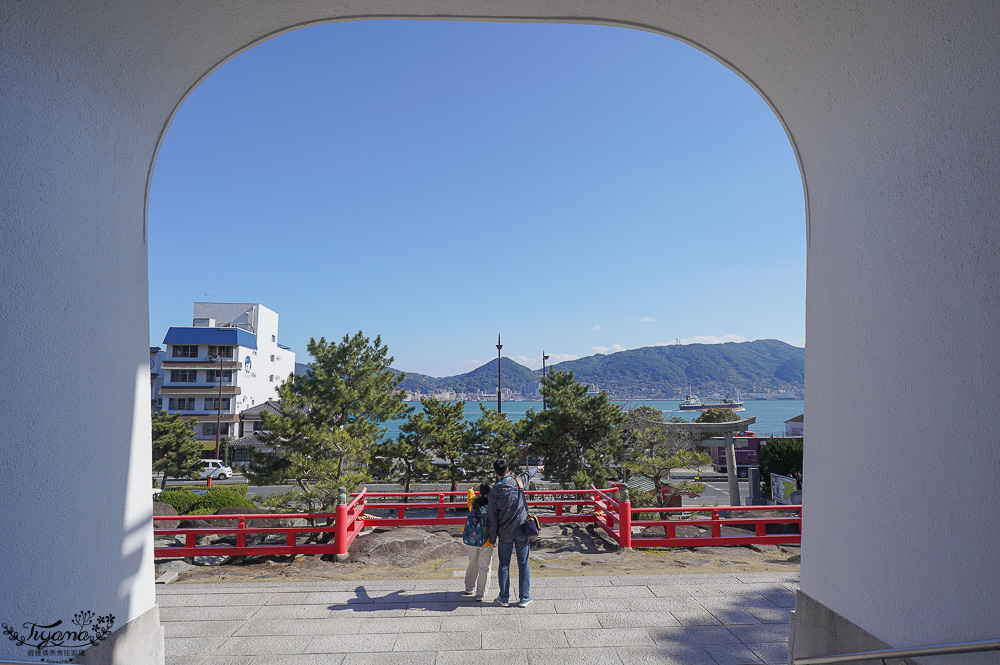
(692, 403)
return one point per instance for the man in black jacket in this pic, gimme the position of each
(507, 510)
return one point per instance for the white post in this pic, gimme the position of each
(734, 486)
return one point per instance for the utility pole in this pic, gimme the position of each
(499, 346)
(544, 358)
(218, 417)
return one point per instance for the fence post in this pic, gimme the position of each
(241, 538)
(340, 529)
(625, 519)
(441, 506)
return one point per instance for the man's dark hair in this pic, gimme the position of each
(484, 489)
(500, 467)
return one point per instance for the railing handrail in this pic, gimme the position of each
(610, 500)
(463, 493)
(357, 497)
(712, 509)
(912, 652)
(247, 516)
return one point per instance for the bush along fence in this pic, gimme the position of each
(608, 508)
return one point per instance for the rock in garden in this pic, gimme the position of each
(173, 566)
(404, 547)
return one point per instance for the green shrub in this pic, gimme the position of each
(780, 456)
(222, 497)
(181, 500)
(241, 488)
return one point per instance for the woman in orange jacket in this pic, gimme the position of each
(477, 575)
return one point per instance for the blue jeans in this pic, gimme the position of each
(520, 545)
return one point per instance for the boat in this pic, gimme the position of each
(692, 403)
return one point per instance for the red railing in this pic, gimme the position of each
(755, 527)
(601, 506)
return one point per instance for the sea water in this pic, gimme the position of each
(771, 414)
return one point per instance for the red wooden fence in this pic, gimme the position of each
(608, 508)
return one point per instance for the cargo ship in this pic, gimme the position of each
(692, 403)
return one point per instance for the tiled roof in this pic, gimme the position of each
(248, 440)
(271, 406)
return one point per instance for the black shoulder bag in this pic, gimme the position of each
(531, 525)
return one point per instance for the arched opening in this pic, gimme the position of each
(584, 189)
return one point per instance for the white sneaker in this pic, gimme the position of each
(525, 602)
(470, 592)
(479, 599)
(502, 603)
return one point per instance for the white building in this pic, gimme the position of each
(795, 426)
(229, 353)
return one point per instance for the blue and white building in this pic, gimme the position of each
(229, 353)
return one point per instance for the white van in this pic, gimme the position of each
(214, 468)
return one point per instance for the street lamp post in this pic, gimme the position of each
(218, 417)
(544, 358)
(499, 346)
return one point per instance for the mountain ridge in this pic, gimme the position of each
(650, 372)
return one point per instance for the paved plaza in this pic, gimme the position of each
(726, 619)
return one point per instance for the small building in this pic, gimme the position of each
(795, 426)
(156, 356)
(250, 426)
(227, 361)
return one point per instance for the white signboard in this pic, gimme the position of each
(782, 488)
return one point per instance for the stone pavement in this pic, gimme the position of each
(696, 619)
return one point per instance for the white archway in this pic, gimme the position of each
(891, 111)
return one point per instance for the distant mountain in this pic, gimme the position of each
(481, 379)
(663, 371)
(649, 372)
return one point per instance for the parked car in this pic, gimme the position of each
(214, 468)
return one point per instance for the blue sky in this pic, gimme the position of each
(579, 189)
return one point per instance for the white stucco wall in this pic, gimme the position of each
(891, 107)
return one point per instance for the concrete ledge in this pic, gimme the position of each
(139, 642)
(816, 630)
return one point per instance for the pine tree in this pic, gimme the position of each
(410, 452)
(654, 452)
(176, 453)
(578, 434)
(444, 430)
(491, 437)
(329, 426)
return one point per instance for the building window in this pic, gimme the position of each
(208, 429)
(274, 338)
(185, 351)
(258, 426)
(272, 357)
(212, 403)
(220, 352)
(183, 375)
(212, 376)
(272, 378)
(181, 404)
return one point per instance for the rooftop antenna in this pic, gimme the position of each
(209, 296)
